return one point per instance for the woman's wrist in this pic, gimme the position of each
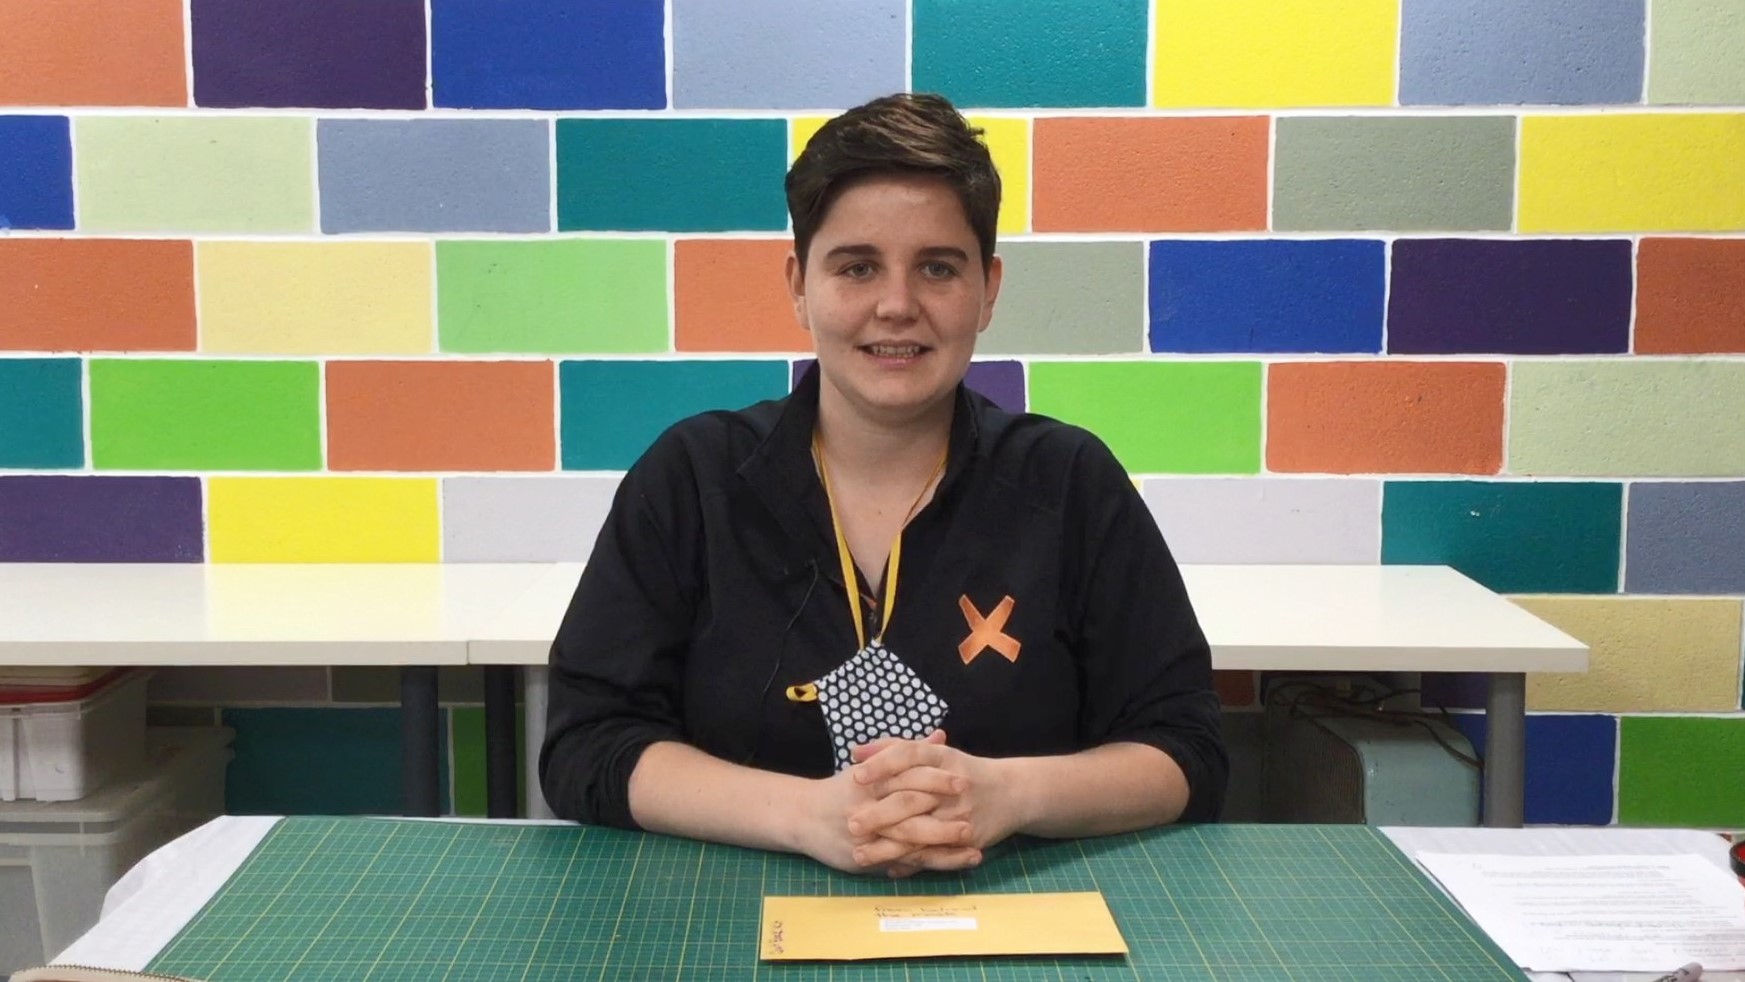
(799, 817)
(1018, 792)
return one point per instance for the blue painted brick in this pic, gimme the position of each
(36, 173)
(1267, 295)
(548, 54)
(1571, 763)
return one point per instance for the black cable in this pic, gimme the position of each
(1324, 700)
(781, 653)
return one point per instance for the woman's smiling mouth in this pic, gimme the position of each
(896, 351)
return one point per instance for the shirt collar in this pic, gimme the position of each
(780, 468)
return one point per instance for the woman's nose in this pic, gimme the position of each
(899, 300)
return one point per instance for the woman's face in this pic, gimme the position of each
(894, 294)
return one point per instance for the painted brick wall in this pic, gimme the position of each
(1386, 280)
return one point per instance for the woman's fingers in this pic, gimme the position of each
(937, 859)
(883, 851)
(865, 751)
(930, 830)
(932, 780)
(918, 834)
(874, 818)
(897, 758)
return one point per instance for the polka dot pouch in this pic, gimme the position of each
(873, 696)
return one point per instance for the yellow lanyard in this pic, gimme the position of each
(849, 580)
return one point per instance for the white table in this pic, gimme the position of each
(413, 616)
(1272, 618)
(420, 616)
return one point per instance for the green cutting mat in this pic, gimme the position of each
(358, 898)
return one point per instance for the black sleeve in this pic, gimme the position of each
(616, 666)
(1146, 668)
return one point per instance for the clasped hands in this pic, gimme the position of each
(905, 806)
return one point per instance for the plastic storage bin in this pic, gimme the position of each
(59, 859)
(62, 746)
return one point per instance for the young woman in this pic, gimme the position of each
(881, 622)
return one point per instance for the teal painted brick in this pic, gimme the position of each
(676, 175)
(318, 761)
(613, 410)
(1513, 537)
(42, 413)
(1021, 53)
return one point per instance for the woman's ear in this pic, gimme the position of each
(795, 273)
(991, 291)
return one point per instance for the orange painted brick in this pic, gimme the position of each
(1385, 417)
(1188, 174)
(96, 295)
(92, 53)
(729, 295)
(1690, 296)
(441, 416)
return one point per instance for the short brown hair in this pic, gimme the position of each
(902, 133)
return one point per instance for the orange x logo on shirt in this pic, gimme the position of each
(988, 632)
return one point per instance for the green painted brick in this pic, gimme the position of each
(988, 53)
(560, 296)
(613, 410)
(674, 175)
(1160, 417)
(42, 413)
(1696, 52)
(1627, 418)
(1681, 771)
(1440, 173)
(1512, 537)
(186, 174)
(468, 727)
(171, 414)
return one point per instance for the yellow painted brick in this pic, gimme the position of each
(1277, 54)
(332, 298)
(801, 130)
(1008, 140)
(1649, 654)
(323, 520)
(1633, 172)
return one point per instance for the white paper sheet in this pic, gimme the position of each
(153, 901)
(1600, 913)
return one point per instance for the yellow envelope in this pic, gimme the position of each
(855, 928)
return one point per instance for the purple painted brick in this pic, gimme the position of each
(68, 519)
(1525, 297)
(1001, 381)
(335, 54)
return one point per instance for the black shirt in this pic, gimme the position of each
(715, 585)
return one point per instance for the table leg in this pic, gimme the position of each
(533, 682)
(419, 732)
(1505, 758)
(500, 739)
